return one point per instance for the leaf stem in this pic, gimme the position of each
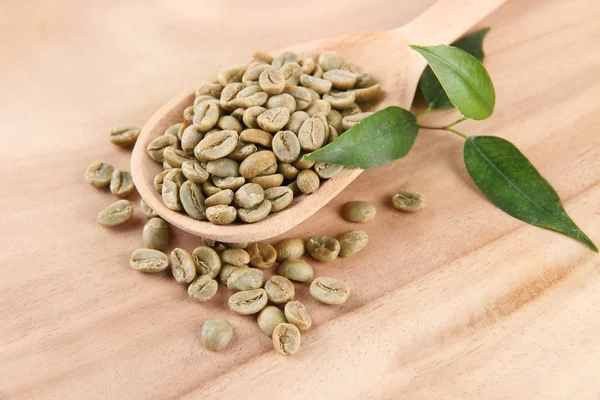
(458, 121)
(457, 132)
(445, 128)
(424, 112)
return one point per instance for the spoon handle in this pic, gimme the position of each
(446, 21)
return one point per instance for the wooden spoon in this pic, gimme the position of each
(384, 55)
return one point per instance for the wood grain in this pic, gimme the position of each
(459, 301)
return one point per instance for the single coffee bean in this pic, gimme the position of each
(255, 214)
(308, 65)
(318, 71)
(262, 255)
(192, 200)
(155, 234)
(301, 95)
(245, 279)
(227, 122)
(297, 314)
(274, 119)
(206, 115)
(210, 89)
(170, 191)
(261, 56)
(286, 339)
(352, 242)
(248, 302)
(237, 257)
(330, 290)
(296, 270)
(308, 181)
(182, 266)
(238, 113)
(340, 100)
(279, 289)
(250, 116)
(124, 136)
(192, 135)
(323, 118)
(303, 164)
(334, 118)
(175, 157)
(98, 174)
(149, 260)
(157, 146)
(312, 134)
(251, 96)
(282, 100)
(242, 150)
(333, 134)
(269, 171)
(159, 180)
(286, 146)
(252, 75)
(256, 136)
(288, 171)
(358, 211)
(226, 271)
(224, 197)
(368, 93)
(209, 189)
(115, 214)
(296, 120)
(216, 146)
(249, 195)
(408, 201)
(289, 249)
(269, 318)
(330, 60)
(147, 210)
(313, 94)
(271, 81)
(362, 78)
(216, 334)
(349, 111)
(294, 188)
(240, 245)
(121, 183)
(326, 170)
(203, 288)
(256, 163)
(207, 261)
(291, 72)
(188, 115)
(193, 171)
(231, 182)
(280, 197)
(206, 98)
(223, 167)
(354, 119)
(221, 214)
(269, 181)
(340, 79)
(232, 73)
(284, 58)
(323, 248)
(319, 85)
(318, 106)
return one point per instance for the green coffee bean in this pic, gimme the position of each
(279, 289)
(231, 182)
(286, 146)
(308, 65)
(209, 189)
(249, 195)
(284, 58)
(319, 85)
(330, 290)
(251, 96)
(274, 119)
(206, 115)
(250, 116)
(286, 339)
(149, 260)
(188, 115)
(238, 113)
(216, 146)
(269, 318)
(175, 157)
(182, 266)
(221, 214)
(408, 201)
(256, 163)
(228, 96)
(318, 71)
(289, 249)
(318, 106)
(223, 167)
(226, 271)
(170, 190)
(237, 257)
(301, 95)
(321, 116)
(255, 214)
(262, 255)
(282, 100)
(192, 135)
(294, 188)
(192, 200)
(231, 74)
(333, 134)
(340, 100)
(216, 334)
(252, 75)
(115, 214)
(147, 210)
(323, 248)
(224, 197)
(280, 197)
(308, 181)
(256, 136)
(157, 146)
(326, 170)
(362, 78)
(296, 120)
(203, 288)
(155, 234)
(358, 211)
(271, 81)
(269, 171)
(227, 122)
(248, 302)
(311, 135)
(303, 164)
(334, 118)
(206, 98)
(209, 89)
(159, 180)
(121, 183)
(288, 171)
(291, 72)
(351, 120)
(207, 261)
(98, 174)
(330, 60)
(340, 79)
(245, 279)
(193, 171)
(269, 181)
(349, 111)
(367, 93)
(296, 270)
(261, 56)
(240, 245)
(242, 150)
(124, 136)
(297, 314)
(352, 242)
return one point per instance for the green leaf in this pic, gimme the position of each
(512, 183)
(464, 79)
(430, 86)
(383, 137)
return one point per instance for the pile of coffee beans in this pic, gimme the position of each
(237, 154)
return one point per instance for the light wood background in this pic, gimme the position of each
(459, 301)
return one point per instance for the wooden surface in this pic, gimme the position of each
(459, 301)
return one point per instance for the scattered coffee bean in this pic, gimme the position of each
(297, 314)
(125, 136)
(149, 260)
(245, 278)
(296, 270)
(330, 290)
(121, 183)
(262, 255)
(289, 249)
(352, 242)
(203, 288)
(237, 257)
(248, 301)
(155, 234)
(182, 266)
(286, 339)
(279, 289)
(358, 211)
(98, 174)
(269, 318)
(115, 214)
(323, 248)
(207, 261)
(408, 201)
(216, 334)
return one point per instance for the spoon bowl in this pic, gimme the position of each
(384, 55)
